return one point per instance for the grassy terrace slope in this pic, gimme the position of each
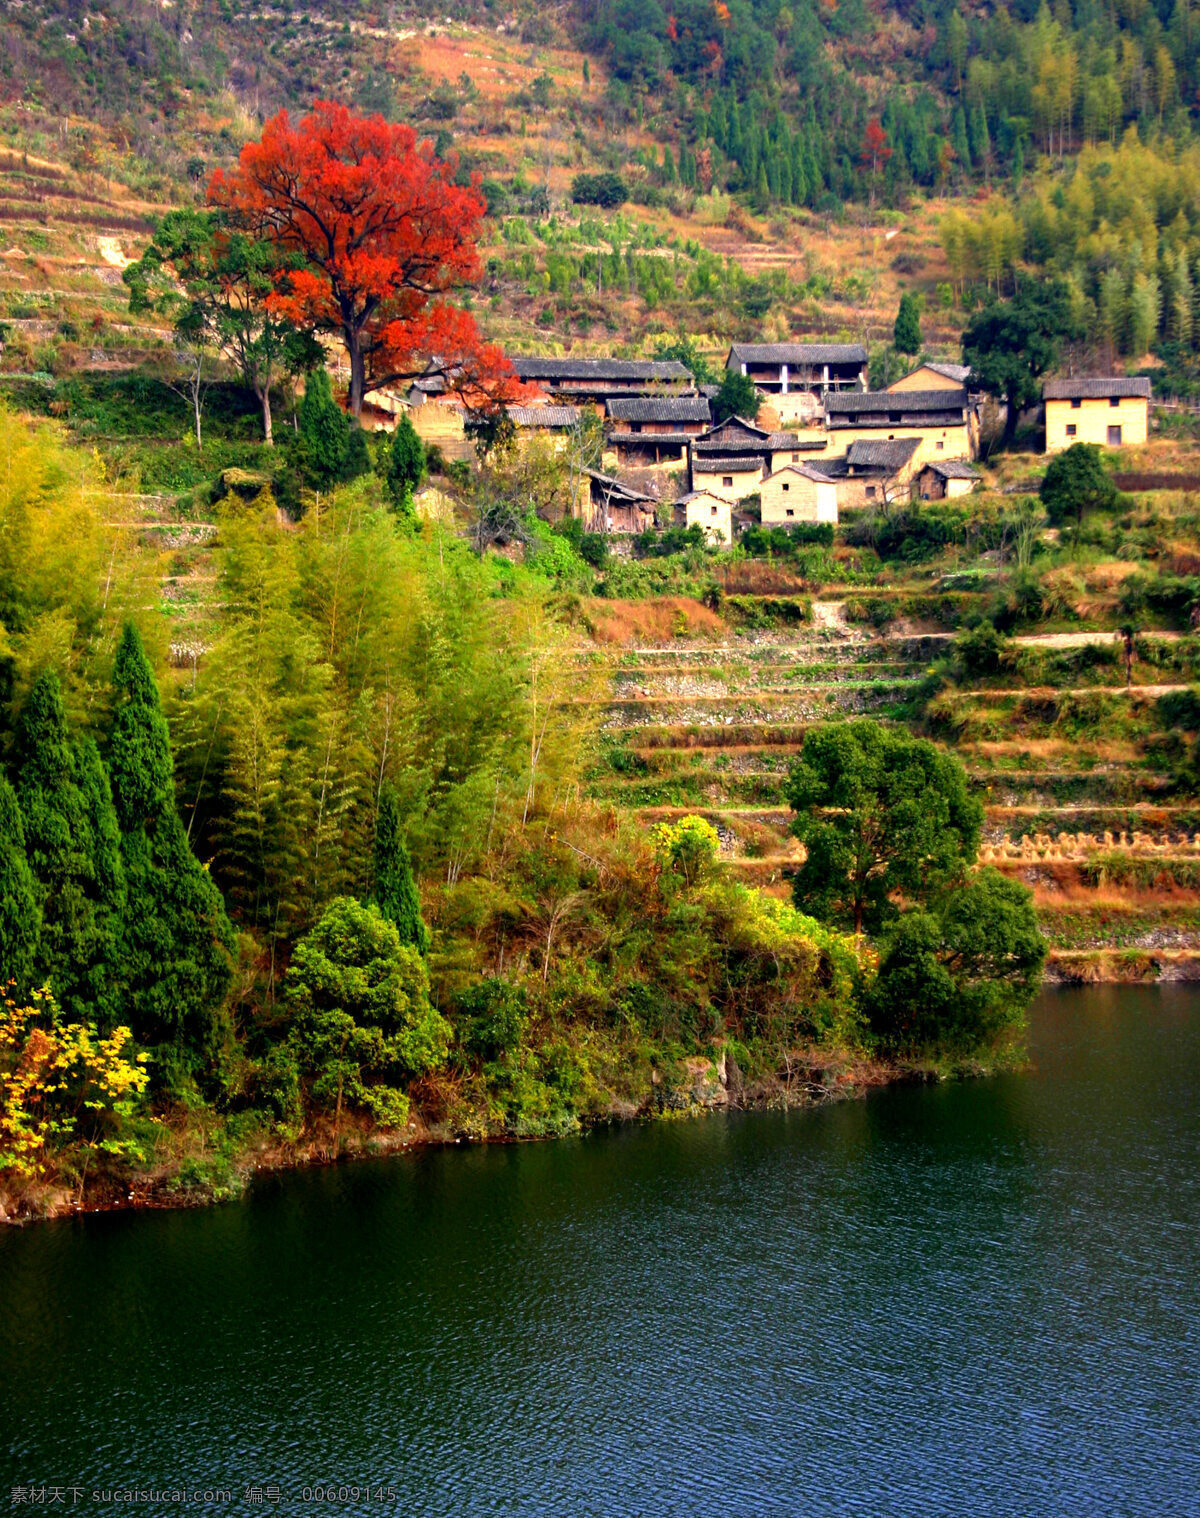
(1089, 785)
(1088, 792)
(77, 201)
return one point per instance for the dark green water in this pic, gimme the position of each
(979, 1299)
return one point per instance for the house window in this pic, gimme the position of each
(727, 480)
(1114, 400)
(790, 512)
(870, 492)
(635, 426)
(1071, 429)
(785, 488)
(940, 445)
(1076, 403)
(795, 458)
(1114, 437)
(712, 511)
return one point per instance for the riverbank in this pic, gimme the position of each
(1122, 967)
(201, 1169)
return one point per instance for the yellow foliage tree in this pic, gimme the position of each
(65, 1091)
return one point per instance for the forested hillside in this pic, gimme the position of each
(772, 99)
(724, 157)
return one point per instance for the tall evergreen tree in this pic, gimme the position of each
(20, 915)
(395, 889)
(71, 842)
(324, 427)
(906, 334)
(178, 942)
(405, 461)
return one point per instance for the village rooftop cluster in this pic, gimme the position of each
(821, 443)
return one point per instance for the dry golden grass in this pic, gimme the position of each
(1110, 575)
(1181, 559)
(665, 620)
(756, 577)
(1032, 748)
(1077, 896)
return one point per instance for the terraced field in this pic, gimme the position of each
(1076, 782)
(64, 239)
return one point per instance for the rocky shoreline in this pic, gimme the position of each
(712, 1087)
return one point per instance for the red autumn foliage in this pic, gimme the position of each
(875, 150)
(384, 233)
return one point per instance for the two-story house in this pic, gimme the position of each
(593, 381)
(648, 430)
(938, 419)
(1110, 410)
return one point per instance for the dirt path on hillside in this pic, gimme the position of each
(1078, 690)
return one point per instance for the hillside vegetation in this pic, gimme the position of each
(340, 812)
(778, 171)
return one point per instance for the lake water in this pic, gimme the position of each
(977, 1299)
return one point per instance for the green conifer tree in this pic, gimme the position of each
(406, 461)
(395, 889)
(178, 942)
(324, 427)
(20, 915)
(906, 334)
(357, 458)
(72, 845)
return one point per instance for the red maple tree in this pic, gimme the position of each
(874, 152)
(384, 233)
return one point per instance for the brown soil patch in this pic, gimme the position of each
(633, 623)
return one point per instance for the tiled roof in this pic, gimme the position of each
(618, 487)
(884, 453)
(1095, 388)
(630, 439)
(799, 353)
(544, 416)
(659, 408)
(743, 431)
(809, 471)
(913, 401)
(953, 469)
(709, 463)
(957, 372)
(535, 368)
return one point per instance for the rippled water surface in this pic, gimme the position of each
(979, 1299)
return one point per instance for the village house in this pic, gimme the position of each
(798, 493)
(939, 376)
(937, 419)
(737, 439)
(1112, 411)
(437, 420)
(872, 471)
(649, 430)
(933, 376)
(607, 504)
(940, 480)
(592, 381)
(700, 508)
(785, 368)
(731, 478)
(556, 423)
